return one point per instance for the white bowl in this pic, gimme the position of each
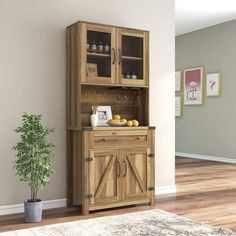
(116, 123)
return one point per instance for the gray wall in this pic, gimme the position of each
(209, 129)
(33, 77)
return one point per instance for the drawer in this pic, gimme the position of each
(120, 138)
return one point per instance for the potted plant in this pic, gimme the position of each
(34, 154)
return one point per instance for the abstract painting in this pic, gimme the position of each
(193, 86)
(213, 84)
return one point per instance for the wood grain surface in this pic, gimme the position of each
(206, 192)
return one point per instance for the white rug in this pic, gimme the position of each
(144, 223)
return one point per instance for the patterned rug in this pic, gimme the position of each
(145, 223)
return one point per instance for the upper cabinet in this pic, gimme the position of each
(98, 51)
(112, 55)
(133, 57)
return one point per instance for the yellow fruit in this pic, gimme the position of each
(116, 117)
(135, 123)
(130, 123)
(123, 120)
(110, 120)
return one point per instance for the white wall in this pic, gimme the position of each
(33, 74)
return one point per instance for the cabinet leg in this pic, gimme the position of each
(152, 202)
(85, 210)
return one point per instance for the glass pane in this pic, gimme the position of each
(132, 57)
(98, 54)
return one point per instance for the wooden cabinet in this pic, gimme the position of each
(105, 61)
(125, 62)
(118, 175)
(108, 166)
(133, 56)
(103, 176)
(136, 173)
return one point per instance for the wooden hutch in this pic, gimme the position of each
(108, 166)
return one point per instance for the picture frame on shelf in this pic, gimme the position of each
(178, 81)
(178, 106)
(213, 84)
(193, 86)
(92, 70)
(104, 114)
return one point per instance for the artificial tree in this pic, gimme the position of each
(34, 154)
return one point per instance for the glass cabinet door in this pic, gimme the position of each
(99, 54)
(133, 57)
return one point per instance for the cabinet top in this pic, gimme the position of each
(111, 128)
(121, 27)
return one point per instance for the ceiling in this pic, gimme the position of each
(191, 15)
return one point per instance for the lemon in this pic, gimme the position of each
(135, 123)
(130, 123)
(123, 120)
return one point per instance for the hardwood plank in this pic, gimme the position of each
(206, 193)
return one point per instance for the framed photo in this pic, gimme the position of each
(92, 70)
(178, 81)
(104, 114)
(193, 86)
(178, 106)
(213, 84)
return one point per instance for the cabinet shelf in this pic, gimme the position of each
(98, 55)
(132, 58)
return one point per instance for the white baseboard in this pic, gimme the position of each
(18, 208)
(204, 157)
(165, 190)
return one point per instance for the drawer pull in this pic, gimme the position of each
(118, 168)
(113, 133)
(126, 168)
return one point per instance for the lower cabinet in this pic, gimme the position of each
(117, 174)
(103, 176)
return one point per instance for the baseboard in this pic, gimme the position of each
(165, 190)
(205, 157)
(18, 208)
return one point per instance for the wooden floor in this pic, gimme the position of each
(206, 192)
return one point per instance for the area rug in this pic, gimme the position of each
(144, 223)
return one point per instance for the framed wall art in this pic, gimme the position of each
(178, 81)
(104, 114)
(92, 70)
(213, 84)
(193, 86)
(178, 106)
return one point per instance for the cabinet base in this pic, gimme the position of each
(85, 211)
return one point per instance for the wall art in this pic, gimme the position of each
(178, 81)
(193, 86)
(213, 84)
(178, 106)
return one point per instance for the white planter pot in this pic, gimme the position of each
(94, 120)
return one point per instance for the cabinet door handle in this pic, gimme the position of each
(114, 56)
(118, 168)
(120, 58)
(126, 168)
